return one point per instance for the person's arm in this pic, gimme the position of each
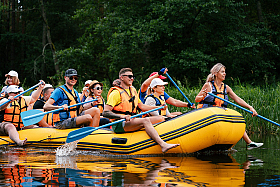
(49, 105)
(107, 113)
(145, 108)
(92, 104)
(176, 102)
(5, 100)
(36, 94)
(148, 81)
(240, 101)
(203, 92)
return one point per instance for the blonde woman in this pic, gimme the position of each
(11, 79)
(215, 85)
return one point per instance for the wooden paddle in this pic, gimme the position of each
(243, 109)
(22, 93)
(190, 104)
(85, 131)
(31, 117)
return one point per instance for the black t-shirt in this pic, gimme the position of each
(39, 104)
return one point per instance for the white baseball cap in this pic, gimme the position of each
(88, 82)
(48, 86)
(157, 81)
(13, 88)
(12, 73)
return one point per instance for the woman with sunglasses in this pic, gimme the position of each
(95, 91)
(11, 79)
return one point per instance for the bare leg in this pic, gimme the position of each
(176, 113)
(246, 138)
(91, 118)
(139, 123)
(156, 119)
(95, 114)
(13, 134)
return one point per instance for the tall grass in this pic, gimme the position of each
(266, 102)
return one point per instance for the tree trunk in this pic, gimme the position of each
(13, 31)
(43, 65)
(259, 8)
(49, 38)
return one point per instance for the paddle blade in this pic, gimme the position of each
(30, 121)
(79, 134)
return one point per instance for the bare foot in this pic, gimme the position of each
(168, 146)
(22, 142)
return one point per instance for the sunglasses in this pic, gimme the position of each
(73, 77)
(15, 92)
(98, 88)
(129, 76)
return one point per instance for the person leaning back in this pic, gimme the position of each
(66, 95)
(122, 102)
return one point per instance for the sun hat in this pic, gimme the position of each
(71, 72)
(12, 73)
(157, 81)
(94, 82)
(13, 88)
(161, 77)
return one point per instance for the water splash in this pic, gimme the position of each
(68, 149)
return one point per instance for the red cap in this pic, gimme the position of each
(161, 77)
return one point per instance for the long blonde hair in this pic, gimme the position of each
(215, 69)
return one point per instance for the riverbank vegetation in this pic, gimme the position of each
(41, 39)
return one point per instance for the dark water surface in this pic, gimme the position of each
(41, 167)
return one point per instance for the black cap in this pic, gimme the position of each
(71, 72)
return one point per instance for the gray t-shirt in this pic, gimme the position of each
(152, 102)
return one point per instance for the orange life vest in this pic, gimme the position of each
(100, 105)
(71, 99)
(12, 114)
(129, 102)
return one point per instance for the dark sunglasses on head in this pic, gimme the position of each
(73, 77)
(129, 76)
(15, 92)
(98, 88)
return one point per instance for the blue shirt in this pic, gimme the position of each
(58, 95)
(142, 96)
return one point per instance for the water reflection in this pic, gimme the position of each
(32, 167)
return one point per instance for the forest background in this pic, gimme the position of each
(41, 39)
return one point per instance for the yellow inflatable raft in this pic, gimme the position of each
(211, 128)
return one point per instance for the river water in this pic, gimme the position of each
(240, 167)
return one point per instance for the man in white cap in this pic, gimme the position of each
(85, 91)
(122, 102)
(65, 96)
(10, 120)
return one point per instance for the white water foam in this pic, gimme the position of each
(68, 149)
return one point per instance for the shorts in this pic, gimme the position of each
(3, 131)
(68, 123)
(118, 127)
